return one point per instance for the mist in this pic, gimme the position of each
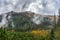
(44, 7)
(47, 7)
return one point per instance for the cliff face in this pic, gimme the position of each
(28, 19)
(16, 17)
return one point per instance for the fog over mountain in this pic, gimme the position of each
(44, 7)
(38, 6)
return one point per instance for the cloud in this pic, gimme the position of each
(38, 6)
(46, 6)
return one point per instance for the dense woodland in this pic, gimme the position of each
(22, 22)
(24, 28)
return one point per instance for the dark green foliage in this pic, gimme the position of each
(7, 35)
(45, 23)
(22, 22)
(0, 18)
(52, 34)
(3, 34)
(9, 25)
(58, 23)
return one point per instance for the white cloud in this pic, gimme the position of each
(50, 6)
(34, 5)
(9, 7)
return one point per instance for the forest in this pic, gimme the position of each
(21, 27)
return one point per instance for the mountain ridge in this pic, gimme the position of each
(35, 18)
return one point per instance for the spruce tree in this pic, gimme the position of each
(58, 23)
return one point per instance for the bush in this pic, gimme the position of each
(34, 35)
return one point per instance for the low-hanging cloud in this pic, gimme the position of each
(37, 6)
(47, 7)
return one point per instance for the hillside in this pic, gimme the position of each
(26, 21)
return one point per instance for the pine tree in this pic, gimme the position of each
(58, 23)
(54, 21)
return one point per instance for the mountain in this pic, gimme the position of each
(27, 13)
(26, 20)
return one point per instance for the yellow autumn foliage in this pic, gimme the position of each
(43, 33)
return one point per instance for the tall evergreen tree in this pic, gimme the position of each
(58, 23)
(54, 21)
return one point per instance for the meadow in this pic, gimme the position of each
(33, 35)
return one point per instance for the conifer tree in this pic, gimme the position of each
(58, 23)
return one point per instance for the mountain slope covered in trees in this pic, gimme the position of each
(22, 21)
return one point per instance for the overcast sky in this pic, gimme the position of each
(38, 6)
